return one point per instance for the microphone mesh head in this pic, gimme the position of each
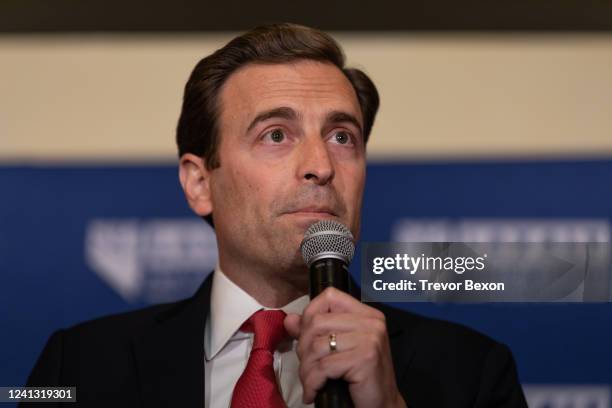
(327, 238)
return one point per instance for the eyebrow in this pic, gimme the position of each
(340, 117)
(280, 113)
(287, 113)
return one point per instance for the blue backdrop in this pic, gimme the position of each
(79, 242)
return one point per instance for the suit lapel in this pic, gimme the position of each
(170, 354)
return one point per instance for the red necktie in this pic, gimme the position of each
(257, 385)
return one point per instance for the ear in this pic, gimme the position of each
(195, 180)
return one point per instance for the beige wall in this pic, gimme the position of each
(112, 97)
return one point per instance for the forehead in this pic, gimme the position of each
(309, 87)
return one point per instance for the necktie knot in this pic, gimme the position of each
(268, 328)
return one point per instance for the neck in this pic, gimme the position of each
(271, 288)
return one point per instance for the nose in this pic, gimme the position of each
(315, 161)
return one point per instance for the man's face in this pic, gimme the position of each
(292, 153)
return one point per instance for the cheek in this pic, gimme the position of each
(242, 190)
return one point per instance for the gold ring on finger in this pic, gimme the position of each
(333, 344)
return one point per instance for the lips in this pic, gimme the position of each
(314, 211)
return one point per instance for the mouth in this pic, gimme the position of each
(321, 212)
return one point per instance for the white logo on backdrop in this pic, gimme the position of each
(567, 396)
(501, 230)
(153, 260)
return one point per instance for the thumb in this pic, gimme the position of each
(292, 323)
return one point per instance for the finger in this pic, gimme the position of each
(334, 366)
(334, 300)
(293, 323)
(325, 323)
(320, 347)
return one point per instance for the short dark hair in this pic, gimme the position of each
(197, 131)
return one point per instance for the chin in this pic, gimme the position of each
(299, 272)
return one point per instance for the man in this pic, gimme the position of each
(272, 138)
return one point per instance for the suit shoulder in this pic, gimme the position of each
(127, 323)
(440, 335)
(447, 364)
(103, 343)
(433, 330)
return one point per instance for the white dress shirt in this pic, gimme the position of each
(226, 349)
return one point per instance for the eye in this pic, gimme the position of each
(341, 137)
(276, 135)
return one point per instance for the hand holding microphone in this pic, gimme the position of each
(343, 346)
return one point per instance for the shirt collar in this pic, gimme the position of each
(230, 306)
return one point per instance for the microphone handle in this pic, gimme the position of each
(324, 273)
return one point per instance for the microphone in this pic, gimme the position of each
(327, 249)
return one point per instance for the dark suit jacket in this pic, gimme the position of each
(154, 357)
